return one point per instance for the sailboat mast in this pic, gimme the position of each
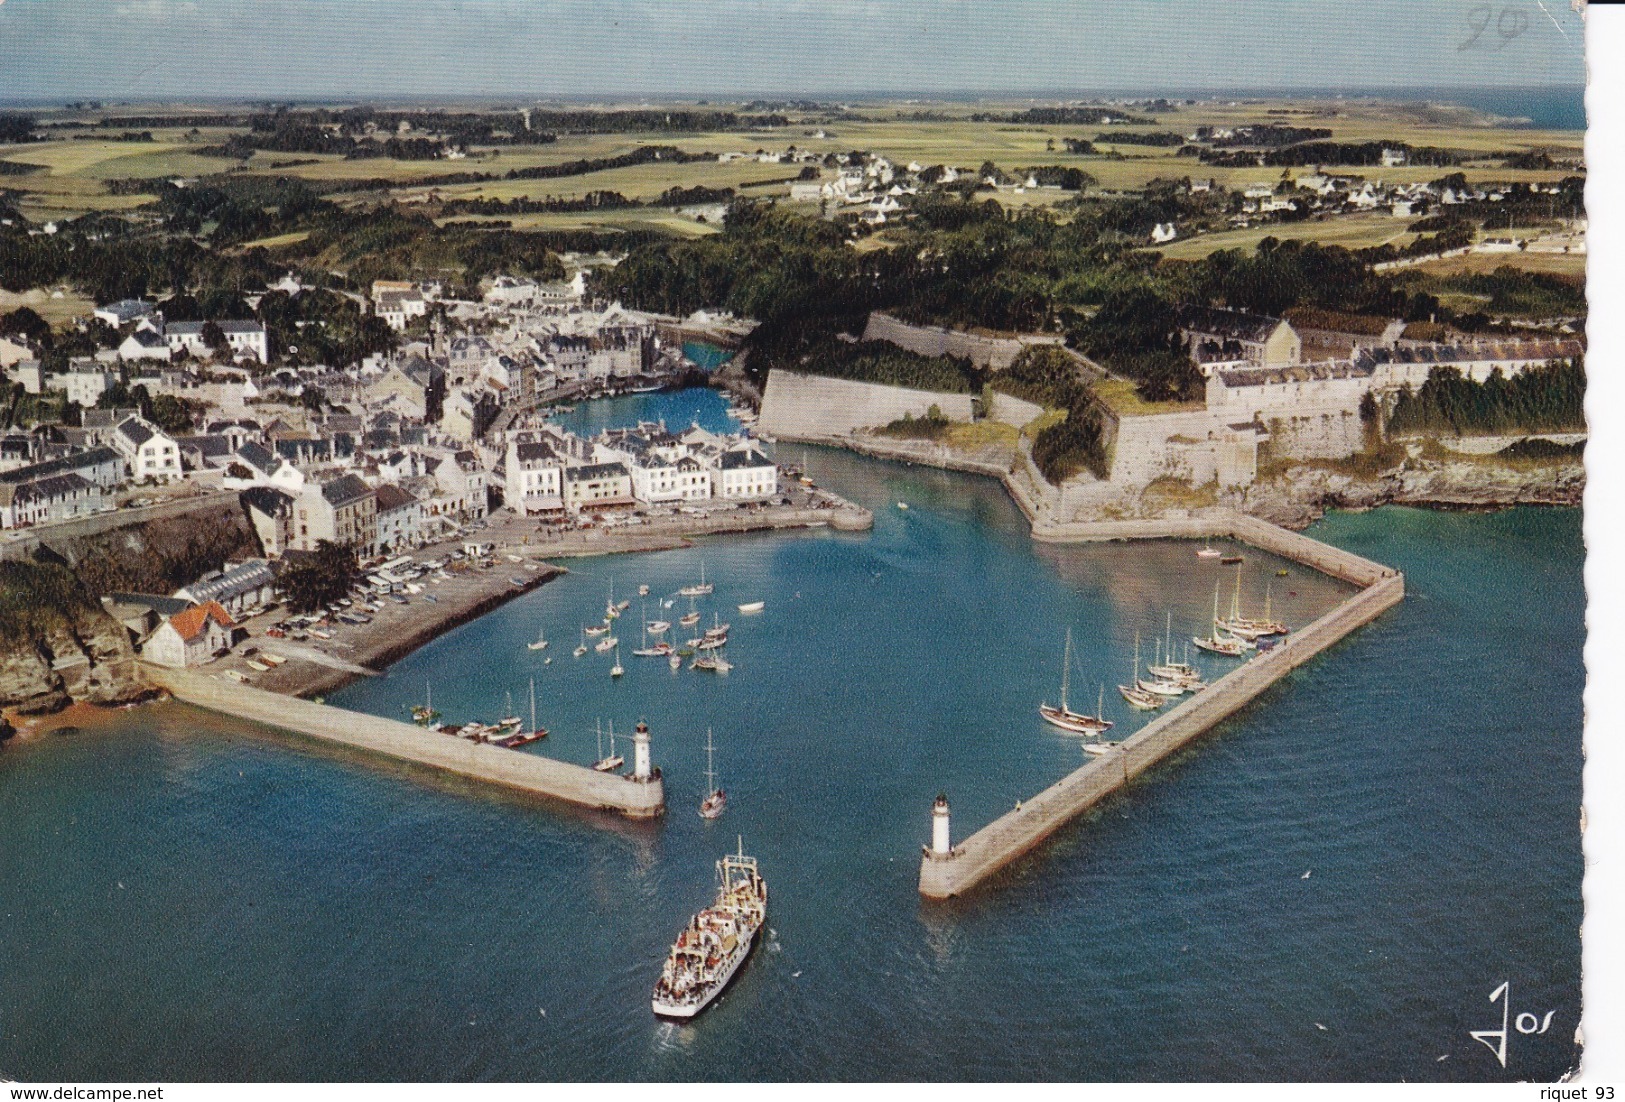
(533, 704)
(1066, 668)
(710, 769)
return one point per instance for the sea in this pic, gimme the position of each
(1331, 885)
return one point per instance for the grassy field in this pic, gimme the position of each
(76, 171)
(636, 218)
(1565, 264)
(1357, 232)
(57, 306)
(1122, 399)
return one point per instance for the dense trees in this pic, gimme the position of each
(313, 581)
(1076, 444)
(1550, 397)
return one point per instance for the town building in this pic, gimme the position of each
(343, 510)
(147, 451)
(533, 476)
(746, 474)
(270, 512)
(237, 589)
(190, 638)
(241, 336)
(597, 485)
(400, 519)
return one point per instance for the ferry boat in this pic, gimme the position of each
(1064, 717)
(716, 800)
(709, 951)
(701, 589)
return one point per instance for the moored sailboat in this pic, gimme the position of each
(702, 589)
(1064, 717)
(614, 761)
(716, 801)
(1136, 696)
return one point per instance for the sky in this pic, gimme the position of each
(311, 49)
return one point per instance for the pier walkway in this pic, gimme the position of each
(527, 772)
(963, 866)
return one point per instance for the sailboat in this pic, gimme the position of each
(691, 617)
(508, 719)
(1246, 627)
(611, 609)
(1219, 642)
(608, 642)
(424, 714)
(1187, 676)
(598, 629)
(1064, 717)
(700, 590)
(521, 738)
(614, 761)
(1136, 696)
(675, 659)
(617, 669)
(716, 801)
(582, 649)
(541, 641)
(711, 660)
(659, 650)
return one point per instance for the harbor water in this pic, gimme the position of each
(1328, 886)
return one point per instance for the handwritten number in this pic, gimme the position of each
(1479, 19)
(1510, 30)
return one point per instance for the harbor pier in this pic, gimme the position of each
(639, 796)
(947, 869)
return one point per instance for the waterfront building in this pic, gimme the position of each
(190, 638)
(236, 588)
(400, 518)
(533, 475)
(597, 485)
(344, 510)
(745, 474)
(50, 498)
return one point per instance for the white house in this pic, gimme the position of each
(123, 312)
(149, 453)
(190, 638)
(241, 336)
(144, 344)
(746, 475)
(534, 475)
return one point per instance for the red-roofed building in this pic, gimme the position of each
(190, 638)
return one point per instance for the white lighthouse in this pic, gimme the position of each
(640, 752)
(941, 846)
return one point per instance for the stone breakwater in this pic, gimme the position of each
(519, 770)
(984, 853)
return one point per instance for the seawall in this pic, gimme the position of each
(794, 404)
(515, 769)
(1013, 834)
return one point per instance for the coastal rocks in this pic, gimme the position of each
(1303, 494)
(58, 646)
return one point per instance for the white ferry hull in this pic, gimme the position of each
(690, 1009)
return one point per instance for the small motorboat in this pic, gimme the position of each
(608, 642)
(675, 659)
(1208, 552)
(597, 629)
(752, 606)
(1230, 560)
(643, 590)
(689, 619)
(658, 627)
(903, 505)
(1099, 748)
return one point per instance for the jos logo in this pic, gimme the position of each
(1496, 1039)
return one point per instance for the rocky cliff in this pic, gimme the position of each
(57, 645)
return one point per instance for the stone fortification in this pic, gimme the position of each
(991, 352)
(797, 405)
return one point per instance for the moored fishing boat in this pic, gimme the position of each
(716, 941)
